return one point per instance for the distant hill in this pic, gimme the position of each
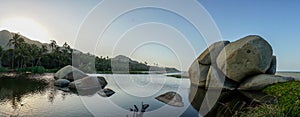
(120, 63)
(5, 36)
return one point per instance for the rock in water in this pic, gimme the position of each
(102, 81)
(107, 92)
(272, 68)
(70, 73)
(89, 82)
(61, 83)
(209, 55)
(198, 73)
(216, 79)
(171, 98)
(250, 55)
(259, 82)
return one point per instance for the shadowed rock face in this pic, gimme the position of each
(198, 73)
(61, 83)
(259, 82)
(89, 82)
(70, 73)
(107, 92)
(248, 56)
(272, 68)
(171, 98)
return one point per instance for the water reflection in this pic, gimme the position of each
(230, 103)
(13, 90)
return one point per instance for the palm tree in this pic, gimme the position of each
(41, 52)
(1, 55)
(53, 45)
(15, 41)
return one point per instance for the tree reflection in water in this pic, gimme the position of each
(13, 90)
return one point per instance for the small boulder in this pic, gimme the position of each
(259, 82)
(107, 92)
(89, 82)
(272, 68)
(216, 79)
(61, 83)
(70, 73)
(171, 98)
(198, 73)
(248, 56)
(209, 55)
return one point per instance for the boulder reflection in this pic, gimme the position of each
(230, 103)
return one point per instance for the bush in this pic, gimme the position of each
(38, 69)
(2, 69)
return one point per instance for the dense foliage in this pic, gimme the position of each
(24, 57)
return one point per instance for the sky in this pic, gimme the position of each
(159, 36)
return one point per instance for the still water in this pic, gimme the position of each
(23, 97)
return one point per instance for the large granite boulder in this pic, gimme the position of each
(198, 73)
(216, 79)
(259, 82)
(171, 98)
(272, 68)
(70, 73)
(209, 55)
(248, 56)
(61, 83)
(89, 82)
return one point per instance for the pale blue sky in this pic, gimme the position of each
(277, 22)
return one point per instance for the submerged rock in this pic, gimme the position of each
(107, 92)
(171, 98)
(61, 83)
(259, 82)
(70, 73)
(248, 56)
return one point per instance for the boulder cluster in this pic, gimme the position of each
(246, 64)
(70, 78)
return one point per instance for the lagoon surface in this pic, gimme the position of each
(31, 100)
(21, 97)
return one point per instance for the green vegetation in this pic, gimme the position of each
(3, 69)
(288, 105)
(24, 57)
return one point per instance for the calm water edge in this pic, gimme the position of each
(34, 98)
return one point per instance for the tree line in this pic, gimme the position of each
(51, 56)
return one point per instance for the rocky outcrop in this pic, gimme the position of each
(61, 83)
(247, 63)
(107, 92)
(198, 73)
(272, 68)
(171, 98)
(216, 79)
(259, 82)
(250, 55)
(199, 68)
(209, 55)
(70, 73)
(88, 82)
